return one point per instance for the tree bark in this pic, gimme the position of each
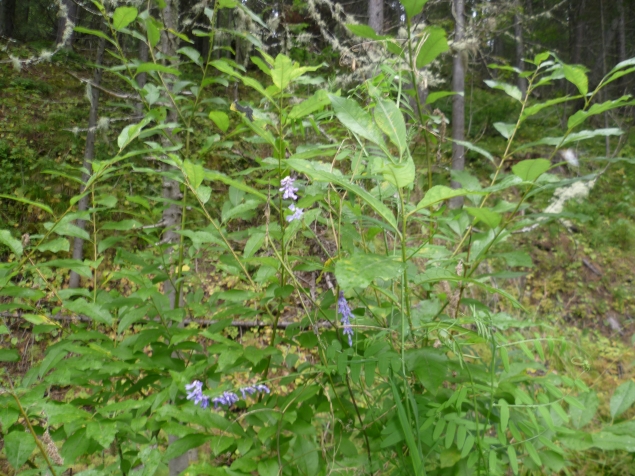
(520, 46)
(89, 154)
(458, 100)
(66, 23)
(579, 34)
(172, 193)
(376, 15)
(8, 17)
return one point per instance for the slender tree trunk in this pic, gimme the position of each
(621, 30)
(376, 15)
(520, 46)
(172, 193)
(89, 154)
(458, 100)
(8, 17)
(579, 34)
(66, 23)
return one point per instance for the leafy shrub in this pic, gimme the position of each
(381, 354)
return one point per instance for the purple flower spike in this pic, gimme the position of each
(344, 309)
(297, 213)
(195, 393)
(251, 389)
(227, 398)
(287, 188)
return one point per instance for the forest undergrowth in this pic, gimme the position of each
(329, 312)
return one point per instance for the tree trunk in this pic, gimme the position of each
(458, 100)
(89, 154)
(66, 23)
(520, 46)
(376, 15)
(172, 193)
(8, 17)
(579, 34)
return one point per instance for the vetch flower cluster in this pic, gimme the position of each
(344, 309)
(288, 192)
(195, 393)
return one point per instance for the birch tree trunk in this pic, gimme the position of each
(89, 154)
(458, 100)
(376, 15)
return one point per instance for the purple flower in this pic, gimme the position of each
(195, 393)
(344, 309)
(227, 398)
(287, 188)
(297, 213)
(251, 389)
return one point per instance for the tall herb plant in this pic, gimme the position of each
(380, 355)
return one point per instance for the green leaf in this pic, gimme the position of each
(9, 355)
(365, 31)
(400, 175)
(505, 358)
(312, 170)
(269, 467)
(88, 31)
(318, 101)
(580, 116)
(46, 208)
(195, 173)
(90, 309)
(360, 270)
(612, 442)
(153, 28)
(505, 129)
(161, 68)
(18, 446)
(511, 90)
(437, 194)
(74, 265)
(415, 453)
(191, 53)
(103, 432)
(123, 17)
(530, 169)
(504, 409)
(14, 245)
(356, 119)
(390, 120)
(536, 108)
(485, 215)
(413, 7)
(220, 119)
(577, 76)
(180, 446)
(513, 459)
(123, 225)
(204, 193)
(435, 96)
(306, 456)
(622, 398)
(531, 450)
(478, 150)
(434, 44)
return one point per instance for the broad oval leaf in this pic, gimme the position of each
(622, 399)
(123, 17)
(485, 215)
(221, 120)
(438, 193)
(14, 244)
(356, 119)
(390, 120)
(577, 76)
(530, 169)
(18, 446)
(505, 129)
(413, 7)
